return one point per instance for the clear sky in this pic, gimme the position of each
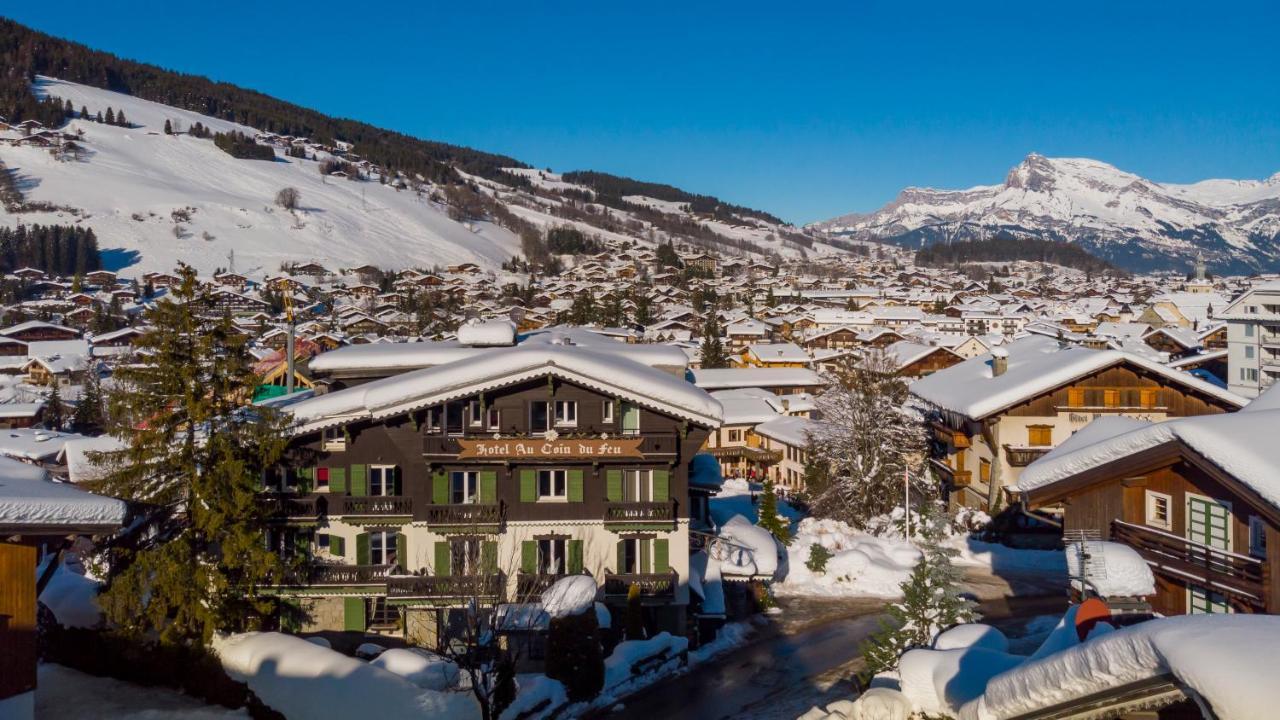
(808, 110)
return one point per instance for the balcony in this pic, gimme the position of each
(530, 586)
(743, 452)
(654, 587)
(469, 516)
(1022, 456)
(286, 507)
(949, 436)
(1241, 577)
(444, 588)
(957, 478)
(354, 507)
(647, 514)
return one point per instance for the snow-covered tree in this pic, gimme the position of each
(931, 600)
(712, 353)
(864, 443)
(770, 520)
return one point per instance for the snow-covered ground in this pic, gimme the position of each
(66, 694)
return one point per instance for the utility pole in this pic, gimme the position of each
(289, 340)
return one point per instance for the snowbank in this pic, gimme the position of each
(939, 682)
(1115, 569)
(861, 564)
(534, 691)
(72, 598)
(421, 667)
(734, 498)
(756, 551)
(569, 596)
(621, 666)
(971, 635)
(304, 680)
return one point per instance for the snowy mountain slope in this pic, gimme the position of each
(1129, 220)
(132, 179)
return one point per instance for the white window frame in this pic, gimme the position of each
(333, 439)
(606, 414)
(384, 555)
(493, 418)
(1257, 536)
(555, 477)
(555, 554)
(632, 543)
(1248, 352)
(475, 413)
(471, 556)
(470, 487)
(563, 410)
(386, 478)
(637, 484)
(1152, 498)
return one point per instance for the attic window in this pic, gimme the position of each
(335, 440)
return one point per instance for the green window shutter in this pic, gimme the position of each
(575, 556)
(488, 487)
(353, 614)
(622, 557)
(338, 480)
(302, 544)
(489, 557)
(528, 486)
(362, 549)
(440, 489)
(661, 485)
(306, 479)
(645, 554)
(529, 556)
(613, 485)
(575, 486)
(402, 551)
(337, 547)
(442, 558)
(359, 480)
(661, 561)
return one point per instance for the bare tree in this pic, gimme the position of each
(866, 441)
(288, 198)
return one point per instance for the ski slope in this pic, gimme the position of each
(132, 179)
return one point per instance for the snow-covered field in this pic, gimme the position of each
(66, 694)
(142, 172)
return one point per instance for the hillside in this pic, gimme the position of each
(1132, 222)
(1010, 249)
(154, 198)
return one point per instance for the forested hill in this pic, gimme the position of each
(1009, 249)
(25, 53)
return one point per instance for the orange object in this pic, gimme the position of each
(1090, 613)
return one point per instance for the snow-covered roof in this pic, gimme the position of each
(499, 367)
(789, 429)
(1036, 365)
(1241, 444)
(30, 500)
(35, 444)
(743, 407)
(727, 378)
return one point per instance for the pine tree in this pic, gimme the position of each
(168, 127)
(87, 417)
(111, 116)
(194, 456)
(712, 353)
(931, 600)
(55, 413)
(84, 112)
(120, 119)
(777, 525)
(574, 656)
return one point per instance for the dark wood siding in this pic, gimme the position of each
(1176, 401)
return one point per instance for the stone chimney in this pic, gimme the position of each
(999, 362)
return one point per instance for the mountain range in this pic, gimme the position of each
(1133, 222)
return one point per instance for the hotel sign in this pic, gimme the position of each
(539, 449)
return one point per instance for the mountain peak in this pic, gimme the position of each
(1035, 174)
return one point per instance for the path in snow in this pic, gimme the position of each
(66, 694)
(809, 655)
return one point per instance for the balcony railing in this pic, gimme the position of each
(743, 452)
(1024, 456)
(285, 506)
(957, 478)
(950, 436)
(530, 586)
(445, 587)
(372, 506)
(463, 515)
(1241, 576)
(652, 586)
(640, 512)
(346, 574)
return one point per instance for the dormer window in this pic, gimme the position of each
(566, 413)
(335, 439)
(475, 416)
(607, 414)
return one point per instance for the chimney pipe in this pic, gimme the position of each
(999, 362)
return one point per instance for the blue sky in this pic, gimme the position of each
(807, 110)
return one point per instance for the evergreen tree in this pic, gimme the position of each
(55, 413)
(168, 127)
(712, 352)
(194, 457)
(770, 299)
(931, 600)
(87, 417)
(770, 520)
(120, 119)
(574, 656)
(84, 112)
(99, 117)
(667, 256)
(111, 116)
(644, 307)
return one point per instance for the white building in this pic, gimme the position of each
(1253, 340)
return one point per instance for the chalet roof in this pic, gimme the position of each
(1036, 365)
(29, 500)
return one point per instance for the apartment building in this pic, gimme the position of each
(1253, 340)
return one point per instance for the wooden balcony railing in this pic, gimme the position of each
(653, 586)
(445, 587)
(372, 505)
(346, 574)
(287, 506)
(949, 436)
(463, 515)
(1024, 456)
(1241, 576)
(957, 478)
(640, 512)
(530, 586)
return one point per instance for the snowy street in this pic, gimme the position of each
(808, 654)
